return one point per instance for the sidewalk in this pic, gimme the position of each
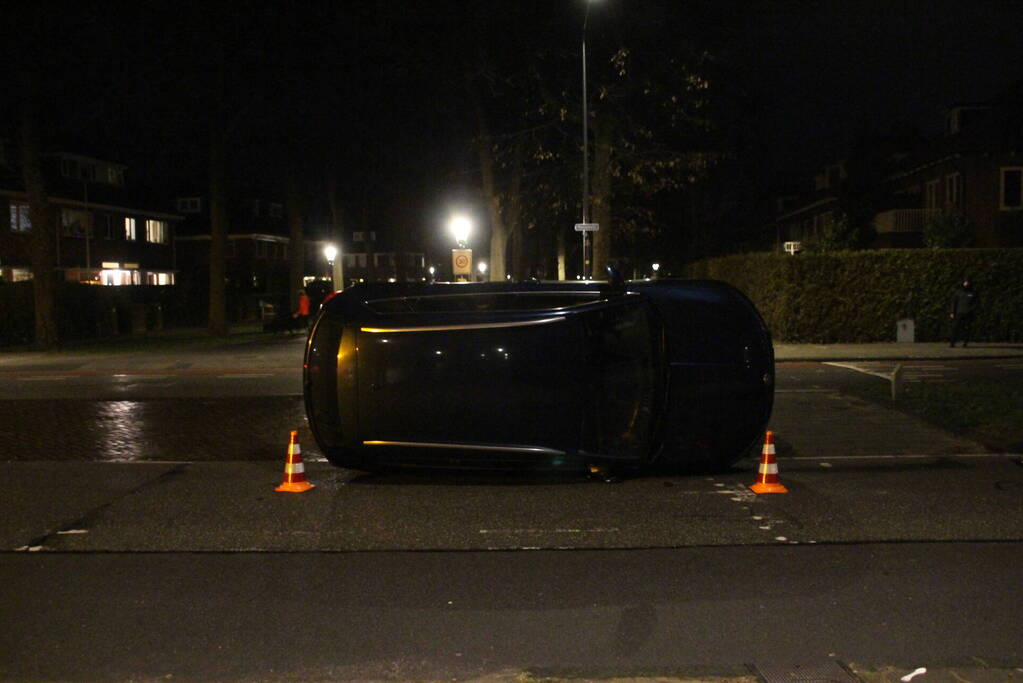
(285, 353)
(261, 353)
(895, 351)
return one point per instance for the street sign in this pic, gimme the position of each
(461, 262)
(587, 227)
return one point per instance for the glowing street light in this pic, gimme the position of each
(482, 267)
(461, 257)
(330, 252)
(656, 267)
(460, 227)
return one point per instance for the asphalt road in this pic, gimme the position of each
(512, 616)
(141, 538)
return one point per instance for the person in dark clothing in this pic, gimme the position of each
(317, 291)
(962, 311)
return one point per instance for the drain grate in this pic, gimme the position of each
(828, 671)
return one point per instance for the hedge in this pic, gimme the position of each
(857, 296)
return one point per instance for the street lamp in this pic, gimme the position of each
(482, 267)
(330, 252)
(656, 267)
(460, 227)
(461, 257)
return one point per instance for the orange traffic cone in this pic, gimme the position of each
(294, 470)
(767, 479)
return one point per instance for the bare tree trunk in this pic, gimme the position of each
(44, 236)
(514, 214)
(562, 256)
(601, 198)
(296, 265)
(498, 231)
(218, 235)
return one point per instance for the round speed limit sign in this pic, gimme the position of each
(461, 261)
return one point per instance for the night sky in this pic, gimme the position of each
(376, 89)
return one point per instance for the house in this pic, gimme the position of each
(257, 255)
(369, 261)
(802, 217)
(973, 170)
(104, 237)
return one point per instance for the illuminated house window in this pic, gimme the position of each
(156, 232)
(20, 221)
(129, 229)
(158, 278)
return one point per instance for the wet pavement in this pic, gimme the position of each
(238, 428)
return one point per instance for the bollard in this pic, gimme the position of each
(896, 380)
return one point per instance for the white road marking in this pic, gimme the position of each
(246, 375)
(898, 456)
(857, 368)
(73, 531)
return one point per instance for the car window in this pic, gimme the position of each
(485, 302)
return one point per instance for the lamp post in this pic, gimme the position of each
(656, 267)
(482, 268)
(461, 257)
(330, 252)
(586, 152)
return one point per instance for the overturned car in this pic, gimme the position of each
(539, 375)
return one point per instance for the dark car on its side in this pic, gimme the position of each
(539, 375)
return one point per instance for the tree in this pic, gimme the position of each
(218, 235)
(655, 121)
(296, 255)
(44, 231)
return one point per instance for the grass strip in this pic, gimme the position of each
(984, 409)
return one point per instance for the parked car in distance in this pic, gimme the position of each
(539, 375)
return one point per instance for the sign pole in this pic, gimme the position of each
(585, 229)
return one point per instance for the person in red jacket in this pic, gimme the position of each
(302, 314)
